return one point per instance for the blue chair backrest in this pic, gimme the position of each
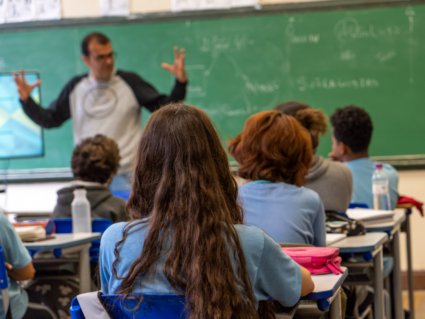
(3, 273)
(99, 225)
(152, 306)
(358, 205)
(122, 194)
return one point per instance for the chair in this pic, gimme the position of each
(99, 225)
(358, 205)
(4, 285)
(152, 306)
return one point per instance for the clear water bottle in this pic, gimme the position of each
(81, 212)
(380, 189)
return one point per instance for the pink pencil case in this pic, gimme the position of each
(317, 260)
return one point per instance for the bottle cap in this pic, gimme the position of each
(378, 166)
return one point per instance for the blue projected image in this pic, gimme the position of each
(19, 135)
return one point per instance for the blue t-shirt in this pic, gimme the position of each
(287, 213)
(17, 255)
(272, 272)
(362, 170)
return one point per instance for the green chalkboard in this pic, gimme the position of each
(238, 66)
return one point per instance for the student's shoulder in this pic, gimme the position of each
(250, 235)
(114, 232)
(389, 169)
(339, 168)
(309, 196)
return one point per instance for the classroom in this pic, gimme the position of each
(212, 159)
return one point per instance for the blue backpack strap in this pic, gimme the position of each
(92, 306)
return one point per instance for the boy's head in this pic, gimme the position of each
(351, 133)
(95, 159)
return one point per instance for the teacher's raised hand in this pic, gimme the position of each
(24, 89)
(178, 68)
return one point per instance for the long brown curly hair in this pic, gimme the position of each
(183, 183)
(273, 147)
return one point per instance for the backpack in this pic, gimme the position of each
(340, 223)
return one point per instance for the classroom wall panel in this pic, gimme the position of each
(146, 6)
(80, 8)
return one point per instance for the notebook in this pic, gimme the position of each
(333, 238)
(371, 216)
(31, 232)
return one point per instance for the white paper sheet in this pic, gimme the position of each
(244, 3)
(20, 10)
(188, 5)
(114, 7)
(3, 5)
(48, 9)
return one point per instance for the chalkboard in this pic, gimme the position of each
(237, 66)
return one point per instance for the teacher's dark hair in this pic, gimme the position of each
(183, 186)
(94, 36)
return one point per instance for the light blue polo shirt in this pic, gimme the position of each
(272, 272)
(362, 170)
(287, 213)
(17, 255)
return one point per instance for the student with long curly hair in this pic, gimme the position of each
(274, 153)
(331, 180)
(186, 235)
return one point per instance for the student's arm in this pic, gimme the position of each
(148, 96)
(20, 274)
(307, 284)
(19, 264)
(58, 111)
(279, 277)
(319, 226)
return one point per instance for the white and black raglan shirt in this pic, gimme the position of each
(111, 108)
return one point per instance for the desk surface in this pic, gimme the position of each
(325, 286)
(64, 241)
(388, 226)
(361, 244)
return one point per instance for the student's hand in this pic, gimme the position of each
(24, 89)
(177, 68)
(9, 267)
(333, 157)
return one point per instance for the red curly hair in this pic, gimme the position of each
(273, 147)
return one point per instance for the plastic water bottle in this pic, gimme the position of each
(380, 189)
(81, 213)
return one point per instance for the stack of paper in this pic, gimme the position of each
(333, 238)
(371, 216)
(31, 232)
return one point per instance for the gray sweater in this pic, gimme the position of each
(332, 181)
(103, 203)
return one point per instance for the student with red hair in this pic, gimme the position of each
(274, 153)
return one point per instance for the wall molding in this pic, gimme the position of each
(418, 280)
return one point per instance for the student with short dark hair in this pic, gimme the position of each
(94, 163)
(186, 235)
(331, 180)
(351, 136)
(274, 153)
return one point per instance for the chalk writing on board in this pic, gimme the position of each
(304, 84)
(297, 39)
(3, 64)
(256, 87)
(197, 85)
(385, 56)
(115, 7)
(411, 16)
(216, 44)
(348, 55)
(348, 29)
(48, 9)
(20, 10)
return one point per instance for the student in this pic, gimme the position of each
(94, 163)
(186, 234)
(274, 154)
(19, 268)
(331, 180)
(351, 135)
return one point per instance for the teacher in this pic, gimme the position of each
(105, 101)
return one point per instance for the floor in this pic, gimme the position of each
(419, 303)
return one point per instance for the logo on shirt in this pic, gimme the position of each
(99, 102)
